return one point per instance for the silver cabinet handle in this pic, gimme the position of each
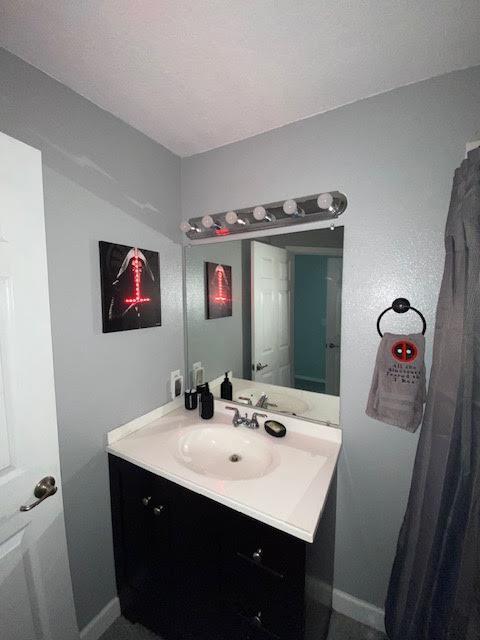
(146, 500)
(44, 489)
(158, 510)
(257, 555)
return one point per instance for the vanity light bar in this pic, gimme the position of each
(293, 211)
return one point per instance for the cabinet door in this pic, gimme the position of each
(142, 543)
(196, 560)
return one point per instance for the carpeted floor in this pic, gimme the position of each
(341, 628)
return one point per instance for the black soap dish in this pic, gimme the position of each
(275, 429)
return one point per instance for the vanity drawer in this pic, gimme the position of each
(263, 549)
(245, 594)
(243, 627)
(263, 571)
(261, 624)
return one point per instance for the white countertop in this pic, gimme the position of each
(290, 497)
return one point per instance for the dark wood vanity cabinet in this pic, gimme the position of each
(189, 568)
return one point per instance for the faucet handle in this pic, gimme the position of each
(255, 416)
(237, 419)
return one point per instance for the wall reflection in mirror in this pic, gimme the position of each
(268, 311)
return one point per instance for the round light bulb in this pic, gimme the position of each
(290, 207)
(208, 221)
(259, 213)
(231, 217)
(185, 226)
(325, 200)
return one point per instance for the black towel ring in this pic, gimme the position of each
(401, 305)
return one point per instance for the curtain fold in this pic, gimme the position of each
(434, 591)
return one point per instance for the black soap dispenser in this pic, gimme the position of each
(226, 389)
(206, 401)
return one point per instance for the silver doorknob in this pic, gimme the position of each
(259, 366)
(44, 489)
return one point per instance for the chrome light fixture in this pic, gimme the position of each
(231, 217)
(208, 222)
(291, 208)
(331, 203)
(319, 207)
(185, 226)
(260, 213)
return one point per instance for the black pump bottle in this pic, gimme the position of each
(226, 389)
(205, 402)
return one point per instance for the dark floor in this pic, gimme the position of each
(341, 628)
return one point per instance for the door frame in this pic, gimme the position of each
(300, 250)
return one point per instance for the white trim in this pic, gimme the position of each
(102, 621)
(358, 610)
(298, 376)
(342, 602)
(321, 251)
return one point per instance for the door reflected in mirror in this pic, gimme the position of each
(279, 334)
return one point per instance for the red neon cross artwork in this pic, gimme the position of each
(137, 277)
(221, 296)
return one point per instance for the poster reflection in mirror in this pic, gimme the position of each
(218, 290)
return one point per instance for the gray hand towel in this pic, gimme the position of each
(397, 394)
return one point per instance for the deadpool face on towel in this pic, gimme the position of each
(397, 394)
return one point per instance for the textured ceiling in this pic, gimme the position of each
(198, 74)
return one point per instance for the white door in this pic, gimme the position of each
(36, 601)
(333, 325)
(271, 352)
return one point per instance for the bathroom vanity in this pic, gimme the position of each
(222, 532)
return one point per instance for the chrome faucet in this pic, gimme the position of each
(251, 423)
(237, 419)
(262, 401)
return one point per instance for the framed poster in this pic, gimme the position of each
(218, 288)
(130, 283)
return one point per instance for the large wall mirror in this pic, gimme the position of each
(268, 310)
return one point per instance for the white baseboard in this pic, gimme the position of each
(342, 602)
(100, 623)
(358, 610)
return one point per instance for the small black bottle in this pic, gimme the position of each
(226, 389)
(191, 398)
(205, 401)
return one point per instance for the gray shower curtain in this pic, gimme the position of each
(434, 591)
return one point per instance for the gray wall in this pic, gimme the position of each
(103, 180)
(217, 342)
(394, 156)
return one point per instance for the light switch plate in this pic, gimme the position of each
(176, 384)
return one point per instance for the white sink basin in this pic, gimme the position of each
(282, 401)
(224, 452)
